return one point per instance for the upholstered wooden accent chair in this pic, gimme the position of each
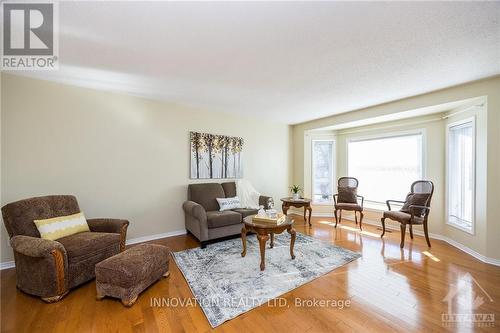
(347, 198)
(47, 268)
(415, 209)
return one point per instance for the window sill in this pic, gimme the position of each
(456, 225)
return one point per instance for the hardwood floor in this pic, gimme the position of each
(391, 290)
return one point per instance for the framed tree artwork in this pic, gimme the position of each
(215, 156)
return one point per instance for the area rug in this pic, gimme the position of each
(226, 285)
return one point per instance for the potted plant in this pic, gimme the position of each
(295, 189)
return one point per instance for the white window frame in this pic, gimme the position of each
(334, 168)
(472, 120)
(381, 206)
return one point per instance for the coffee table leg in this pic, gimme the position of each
(272, 240)
(244, 241)
(292, 233)
(262, 242)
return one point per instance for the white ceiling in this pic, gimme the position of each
(288, 62)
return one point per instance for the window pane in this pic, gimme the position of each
(385, 167)
(460, 174)
(322, 171)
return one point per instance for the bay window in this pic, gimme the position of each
(385, 166)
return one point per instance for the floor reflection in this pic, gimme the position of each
(381, 279)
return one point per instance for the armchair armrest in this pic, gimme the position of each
(389, 201)
(35, 247)
(107, 225)
(362, 199)
(265, 200)
(335, 198)
(115, 226)
(41, 267)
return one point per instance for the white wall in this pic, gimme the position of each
(122, 156)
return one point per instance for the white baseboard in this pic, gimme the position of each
(11, 264)
(468, 250)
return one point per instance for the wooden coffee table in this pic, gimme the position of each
(264, 231)
(289, 202)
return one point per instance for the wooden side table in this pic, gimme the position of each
(306, 203)
(264, 231)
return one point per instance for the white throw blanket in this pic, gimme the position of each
(249, 197)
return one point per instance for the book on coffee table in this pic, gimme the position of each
(279, 219)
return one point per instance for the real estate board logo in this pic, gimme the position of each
(468, 304)
(30, 39)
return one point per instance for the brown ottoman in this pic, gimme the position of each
(127, 274)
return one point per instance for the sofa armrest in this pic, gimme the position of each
(35, 247)
(264, 201)
(115, 226)
(195, 210)
(196, 220)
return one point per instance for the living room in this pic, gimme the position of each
(227, 166)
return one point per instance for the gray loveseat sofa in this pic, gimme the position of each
(203, 218)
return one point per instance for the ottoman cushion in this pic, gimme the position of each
(127, 274)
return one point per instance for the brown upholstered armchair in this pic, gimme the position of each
(415, 209)
(49, 269)
(347, 198)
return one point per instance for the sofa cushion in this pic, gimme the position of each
(62, 226)
(87, 244)
(245, 211)
(417, 199)
(206, 194)
(229, 189)
(228, 203)
(217, 219)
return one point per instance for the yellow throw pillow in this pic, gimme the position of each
(62, 226)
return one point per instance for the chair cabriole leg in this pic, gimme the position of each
(403, 231)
